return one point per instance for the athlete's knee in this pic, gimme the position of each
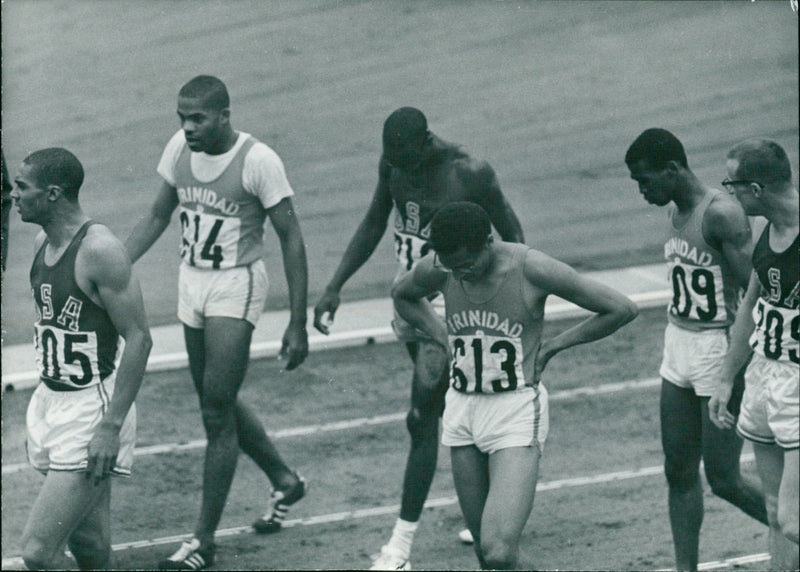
(38, 555)
(724, 485)
(788, 521)
(422, 426)
(498, 554)
(219, 416)
(92, 552)
(680, 476)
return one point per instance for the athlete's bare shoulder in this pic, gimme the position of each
(477, 177)
(725, 221)
(102, 259)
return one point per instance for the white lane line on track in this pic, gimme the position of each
(431, 503)
(368, 421)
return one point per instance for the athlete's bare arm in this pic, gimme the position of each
(739, 351)
(295, 266)
(481, 183)
(726, 228)
(611, 309)
(153, 223)
(103, 270)
(361, 246)
(410, 294)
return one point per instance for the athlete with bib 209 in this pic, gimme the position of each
(418, 173)
(81, 420)
(708, 250)
(496, 417)
(768, 329)
(226, 184)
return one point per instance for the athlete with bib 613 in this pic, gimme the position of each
(418, 173)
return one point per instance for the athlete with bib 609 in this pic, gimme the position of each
(81, 420)
(496, 417)
(707, 249)
(225, 184)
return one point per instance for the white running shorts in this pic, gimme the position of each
(496, 421)
(693, 360)
(60, 425)
(238, 292)
(770, 411)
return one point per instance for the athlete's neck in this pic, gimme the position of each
(691, 194)
(783, 214)
(224, 144)
(62, 229)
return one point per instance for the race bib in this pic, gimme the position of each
(777, 332)
(66, 357)
(697, 292)
(486, 364)
(209, 241)
(409, 249)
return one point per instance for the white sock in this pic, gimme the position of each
(402, 537)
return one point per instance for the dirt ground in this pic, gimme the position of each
(550, 93)
(613, 525)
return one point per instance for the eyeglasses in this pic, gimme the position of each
(462, 269)
(729, 184)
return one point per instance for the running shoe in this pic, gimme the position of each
(465, 536)
(390, 560)
(279, 503)
(188, 557)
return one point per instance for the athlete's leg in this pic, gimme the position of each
(253, 439)
(90, 542)
(428, 387)
(770, 464)
(513, 473)
(65, 500)
(471, 478)
(257, 445)
(788, 501)
(223, 349)
(681, 435)
(721, 452)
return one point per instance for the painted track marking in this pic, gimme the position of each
(368, 421)
(543, 486)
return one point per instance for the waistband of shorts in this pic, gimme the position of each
(708, 330)
(56, 386)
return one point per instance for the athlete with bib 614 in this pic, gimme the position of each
(225, 184)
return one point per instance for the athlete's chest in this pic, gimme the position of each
(421, 196)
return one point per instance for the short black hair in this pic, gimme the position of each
(404, 124)
(762, 161)
(56, 166)
(208, 88)
(460, 224)
(656, 147)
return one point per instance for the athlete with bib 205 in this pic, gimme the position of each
(496, 417)
(81, 420)
(225, 184)
(418, 173)
(707, 249)
(768, 329)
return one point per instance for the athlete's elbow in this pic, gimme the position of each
(627, 313)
